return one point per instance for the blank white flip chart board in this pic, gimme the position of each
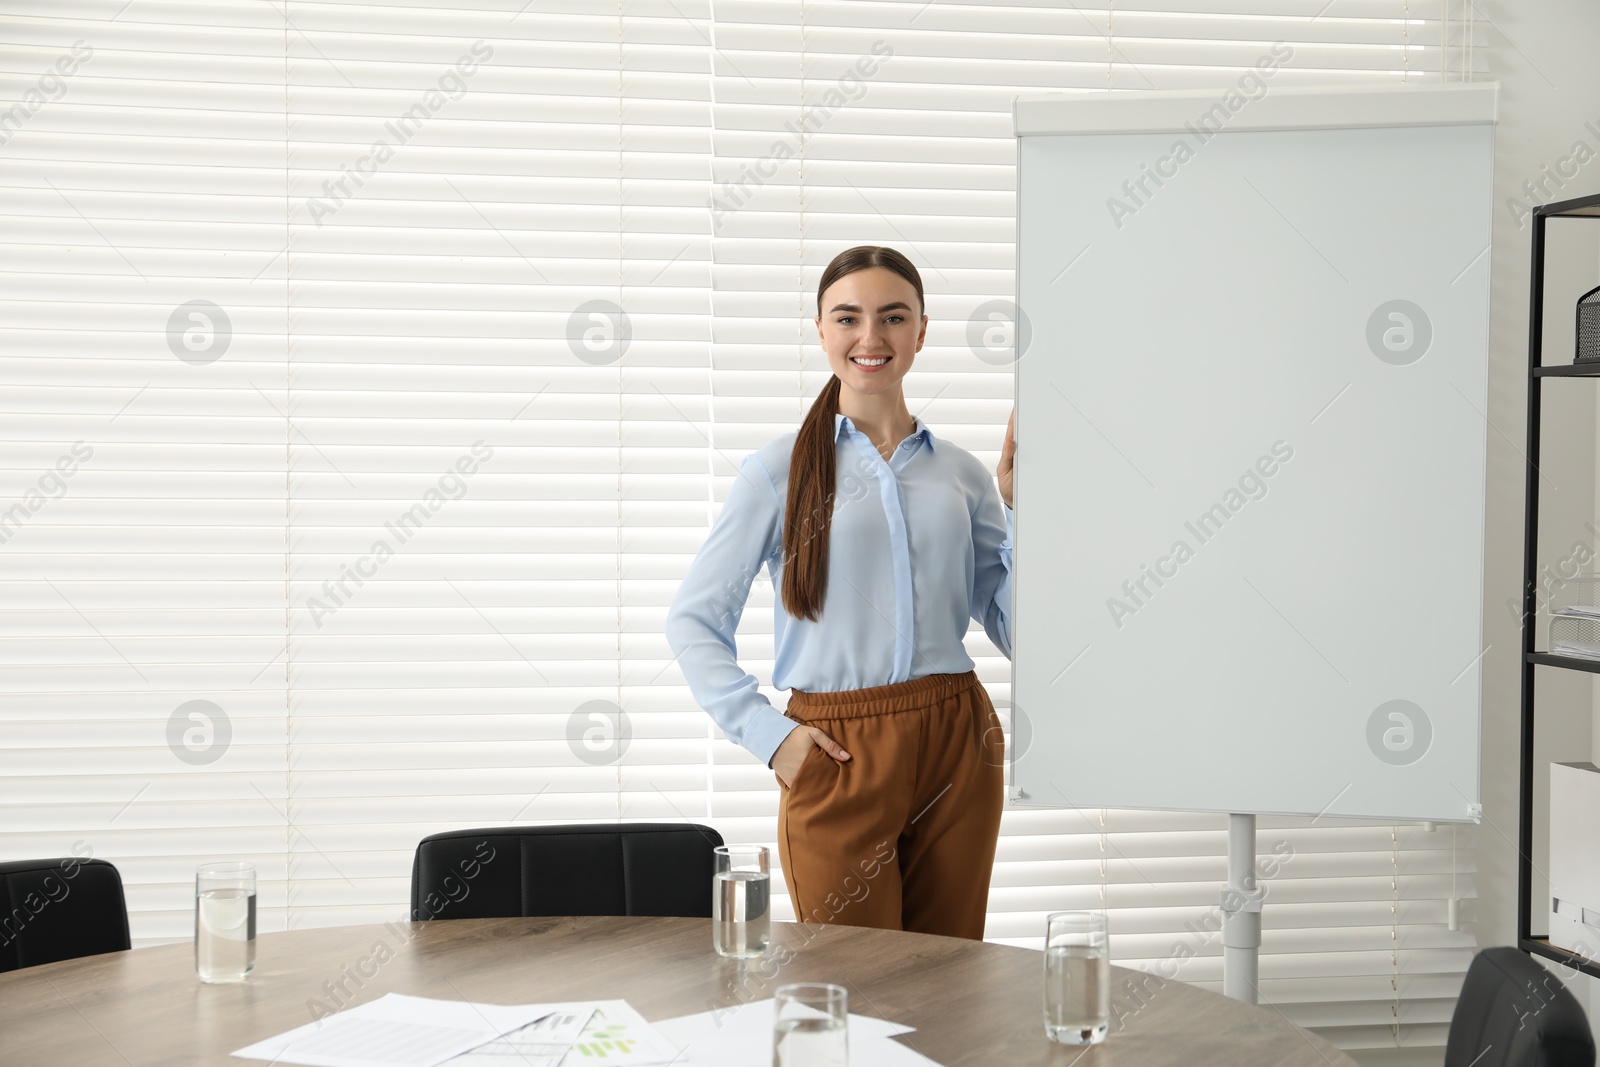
(1251, 370)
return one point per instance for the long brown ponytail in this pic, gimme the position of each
(809, 510)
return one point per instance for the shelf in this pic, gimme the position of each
(1579, 207)
(1572, 663)
(1529, 909)
(1542, 947)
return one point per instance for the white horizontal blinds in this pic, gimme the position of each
(1047, 46)
(1354, 937)
(515, 291)
(667, 429)
(920, 155)
(142, 495)
(1357, 944)
(760, 314)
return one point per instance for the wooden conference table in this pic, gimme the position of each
(971, 1002)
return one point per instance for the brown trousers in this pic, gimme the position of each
(902, 835)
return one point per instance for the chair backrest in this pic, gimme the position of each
(1514, 1013)
(571, 869)
(60, 909)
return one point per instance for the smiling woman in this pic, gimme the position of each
(918, 777)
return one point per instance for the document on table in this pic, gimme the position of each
(401, 1031)
(395, 1031)
(542, 1043)
(613, 1035)
(742, 1037)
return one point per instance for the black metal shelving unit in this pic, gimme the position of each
(1583, 207)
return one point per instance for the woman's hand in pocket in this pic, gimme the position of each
(801, 740)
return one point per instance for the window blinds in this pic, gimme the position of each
(374, 371)
(144, 321)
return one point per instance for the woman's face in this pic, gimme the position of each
(871, 314)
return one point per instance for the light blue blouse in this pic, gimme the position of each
(919, 545)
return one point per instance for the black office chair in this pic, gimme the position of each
(628, 868)
(60, 909)
(1514, 1013)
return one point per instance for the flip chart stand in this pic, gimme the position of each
(1241, 913)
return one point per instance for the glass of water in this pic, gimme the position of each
(810, 1025)
(225, 921)
(1077, 977)
(741, 910)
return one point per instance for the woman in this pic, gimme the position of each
(886, 541)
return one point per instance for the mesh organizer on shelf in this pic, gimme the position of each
(1588, 327)
(1575, 615)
